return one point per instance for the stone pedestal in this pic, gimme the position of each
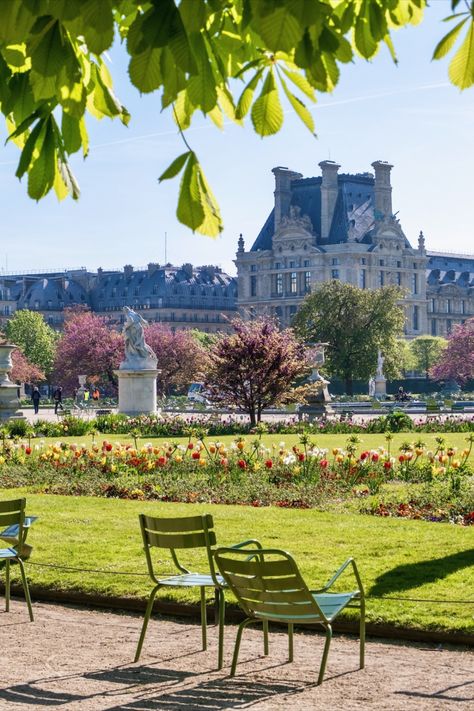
(137, 391)
(9, 402)
(380, 386)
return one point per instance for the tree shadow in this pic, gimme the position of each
(412, 575)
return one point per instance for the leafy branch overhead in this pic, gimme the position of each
(225, 58)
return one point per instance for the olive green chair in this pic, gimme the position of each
(12, 516)
(185, 533)
(269, 588)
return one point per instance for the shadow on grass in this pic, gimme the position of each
(412, 575)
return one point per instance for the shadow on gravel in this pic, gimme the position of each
(412, 575)
(446, 694)
(212, 695)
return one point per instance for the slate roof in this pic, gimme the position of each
(450, 269)
(353, 213)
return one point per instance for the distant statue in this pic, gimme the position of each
(372, 387)
(380, 362)
(137, 352)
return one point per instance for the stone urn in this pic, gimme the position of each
(9, 402)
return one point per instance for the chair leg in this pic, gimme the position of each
(220, 656)
(26, 589)
(265, 637)
(322, 668)
(149, 608)
(290, 642)
(235, 658)
(203, 619)
(7, 586)
(362, 634)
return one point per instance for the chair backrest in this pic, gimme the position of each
(12, 513)
(178, 533)
(268, 585)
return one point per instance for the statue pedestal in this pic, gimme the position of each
(380, 386)
(137, 391)
(9, 402)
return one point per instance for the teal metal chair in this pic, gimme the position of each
(175, 534)
(12, 515)
(269, 588)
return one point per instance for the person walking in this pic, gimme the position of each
(35, 396)
(58, 399)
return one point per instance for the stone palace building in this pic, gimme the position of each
(341, 226)
(336, 226)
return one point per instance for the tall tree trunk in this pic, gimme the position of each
(349, 384)
(253, 420)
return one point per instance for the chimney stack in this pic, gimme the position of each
(383, 188)
(329, 190)
(283, 178)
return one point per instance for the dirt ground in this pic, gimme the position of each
(73, 658)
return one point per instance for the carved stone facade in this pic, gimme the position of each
(341, 226)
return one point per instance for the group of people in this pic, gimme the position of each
(94, 393)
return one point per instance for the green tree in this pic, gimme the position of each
(356, 323)
(219, 57)
(427, 351)
(29, 331)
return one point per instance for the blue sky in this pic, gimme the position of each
(407, 114)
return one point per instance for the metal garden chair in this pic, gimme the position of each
(175, 534)
(269, 588)
(12, 515)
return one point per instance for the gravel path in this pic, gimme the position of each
(72, 658)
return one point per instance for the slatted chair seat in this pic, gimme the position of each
(269, 587)
(12, 516)
(180, 534)
(192, 580)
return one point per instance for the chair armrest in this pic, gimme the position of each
(247, 544)
(330, 583)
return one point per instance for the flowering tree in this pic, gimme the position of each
(181, 358)
(28, 330)
(88, 346)
(457, 360)
(23, 371)
(255, 367)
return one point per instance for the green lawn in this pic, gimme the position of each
(397, 558)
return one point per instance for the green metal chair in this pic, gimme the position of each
(12, 515)
(185, 533)
(269, 588)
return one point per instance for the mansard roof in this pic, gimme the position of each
(353, 216)
(51, 293)
(450, 270)
(180, 284)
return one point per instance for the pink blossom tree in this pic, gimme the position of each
(255, 367)
(88, 346)
(23, 371)
(457, 360)
(181, 358)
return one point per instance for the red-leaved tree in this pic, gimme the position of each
(255, 367)
(181, 359)
(457, 360)
(23, 371)
(89, 347)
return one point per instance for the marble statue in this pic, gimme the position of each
(372, 387)
(380, 362)
(138, 354)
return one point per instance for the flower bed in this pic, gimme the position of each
(248, 472)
